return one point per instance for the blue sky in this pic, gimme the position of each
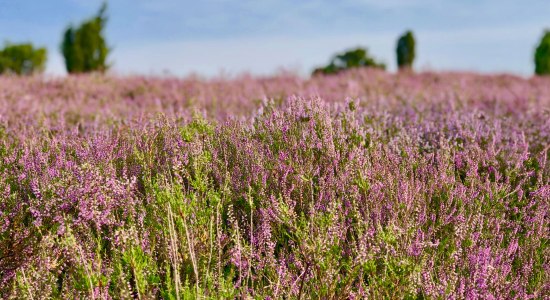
(212, 36)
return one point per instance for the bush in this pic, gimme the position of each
(84, 48)
(405, 51)
(542, 55)
(22, 59)
(355, 58)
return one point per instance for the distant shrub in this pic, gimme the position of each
(22, 59)
(542, 55)
(405, 50)
(84, 48)
(354, 58)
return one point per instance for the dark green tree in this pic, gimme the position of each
(405, 51)
(542, 55)
(22, 59)
(354, 58)
(84, 48)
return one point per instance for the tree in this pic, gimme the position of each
(405, 51)
(354, 58)
(22, 59)
(542, 55)
(84, 48)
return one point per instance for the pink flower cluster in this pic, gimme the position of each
(360, 185)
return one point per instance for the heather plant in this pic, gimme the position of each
(359, 185)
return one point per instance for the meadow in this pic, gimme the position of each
(361, 185)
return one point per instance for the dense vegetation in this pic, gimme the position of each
(84, 47)
(542, 55)
(359, 185)
(405, 51)
(22, 59)
(354, 58)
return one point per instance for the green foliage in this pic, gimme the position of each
(22, 59)
(405, 50)
(354, 58)
(84, 48)
(542, 55)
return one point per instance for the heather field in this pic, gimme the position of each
(362, 185)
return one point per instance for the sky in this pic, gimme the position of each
(221, 37)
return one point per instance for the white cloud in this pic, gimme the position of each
(261, 55)
(484, 49)
(394, 4)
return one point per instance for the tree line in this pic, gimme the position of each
(85, 49)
